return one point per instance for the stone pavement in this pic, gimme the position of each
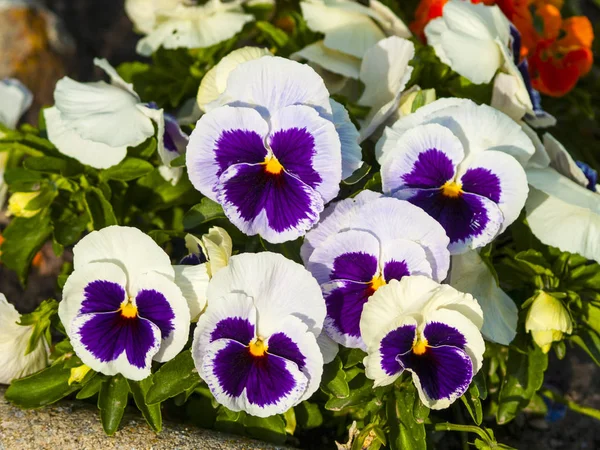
(70, 425)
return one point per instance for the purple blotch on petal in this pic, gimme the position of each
(355, 266)
(265, 378)
(239, 146)
(396, 342)
(102, 296)
(234, 328)
(281, 345)
(438, 334)
(153, 305)
(295, 149)
(345, 305)
(482, 182)
(431, 170)
(395, 270)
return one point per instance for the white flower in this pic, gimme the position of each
(561, 211)
(121, 306)
(14, 339)
(256, 344)
(15, 99)
(176, 23)
(470, 274)
(471, 39)
(429, 329)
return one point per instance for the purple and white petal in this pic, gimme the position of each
(403, 257)
(159, 300)
(335, 218)
(272, 83)
(348, 134)
(127, 247)
(425, 157)
(278, 286)
(97, 287)
(223, 137)
(500, 178)
(350, 255)
(308, 147)
(390, 219)
(279, 207)
(110, 343)
(261, 386)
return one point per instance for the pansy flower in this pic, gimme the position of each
(273, 160)
(121, 307)
(16, 100)
(178, 23)
(461, 165)
(428, 329)
(363, 244)
(256, 344)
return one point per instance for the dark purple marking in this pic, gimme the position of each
(295, 149)
(396, 342)
(282, 345)
(355, 266)
(395, 270)
(234, 328)
(102, 296)
(239, 146)
(345, 305)
(483, 182)
(153, 305)
(431, 170)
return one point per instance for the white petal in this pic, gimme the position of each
(563, 214)
(348, 134)
(322, 260)
(402, 155)
(337, 217)
(332, 60)
(15, 100)
(74, 290)
(128, 247)
(214, 82)
(513, 182)
(172, 344)
(96, 110)
(562, 162)
(279, 287)
(201, 155)
(390, 219)
(540, 159)
(13, 344)
(274, 83)
(193, 283)
(115, 78)
(218, 247)
(329, 348)
(390, 23)
(500, 314)
(327, 157)
(504, 96)
(68, 142)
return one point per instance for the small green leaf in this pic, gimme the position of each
(100, 209)
(127, 170)
(67, 167)
(178, 162)
(40, 320)
(42, 388)
(92, 387)
(405, 432)
(276, 36)
(334, 379)
(229, 421)
(271, 429)
(358, 175)
(151, 413)
(173, 378)
(112, 402)
(471, 401)
(308, 415)
(203, 212)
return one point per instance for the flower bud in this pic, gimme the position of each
(78, 374)
(17, 204)
(547, 320)
(416, 99)
(217, 247)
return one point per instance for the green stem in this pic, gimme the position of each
(463, 429)
(570, 404)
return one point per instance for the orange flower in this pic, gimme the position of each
(562, 53)
(426, 11)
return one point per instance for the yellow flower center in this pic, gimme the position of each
(272, 165)
(452, 189)
(377, 282)
(420, 346)
(129, 310)
(258, 347)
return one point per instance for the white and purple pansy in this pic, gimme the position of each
(429, 329)
(471, 182)
(373, 243)
(121, 307)
(256, 344)
(271, 156)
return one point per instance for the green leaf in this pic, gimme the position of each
(473, 404)
(203, 212)
(92, 387)
(173, 378)
(374, 184)
(405, 432)
(178, 162)
(334, 379)
(40, 320)
(127, 170)
(42, 388)
(353, 357)
(275, 35)
(360, 392)
(589, 341)
(144, 150)
(290, 421)
(524, 376)
(271, 429)
(69, 226)
(229, 421)
(151, 413)
(112, 402)
(67, 167)
(23, 238)
(308, 415)
(99, 208)
(358, 175)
